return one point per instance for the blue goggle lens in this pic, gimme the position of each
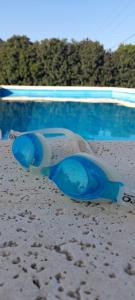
(79, 177)
(27, 150)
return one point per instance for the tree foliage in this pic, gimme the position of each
(124, 59)
(61, 62)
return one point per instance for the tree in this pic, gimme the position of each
(74, 64)
(15, 60)
(109, 70)
(53, 55)
(61, 62)
(92, 60)
(124, 59)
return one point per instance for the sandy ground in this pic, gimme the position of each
(54, 248)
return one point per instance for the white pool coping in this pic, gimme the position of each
(77, 100)
(119, 89)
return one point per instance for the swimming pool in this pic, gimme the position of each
(95, 121)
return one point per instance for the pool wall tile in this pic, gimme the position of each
(124, 96)
(121, 94)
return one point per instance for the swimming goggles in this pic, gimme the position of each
(67, 159)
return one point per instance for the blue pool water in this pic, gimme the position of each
(91, 120)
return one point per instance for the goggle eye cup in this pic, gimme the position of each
(27, 150)
(79, 177)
